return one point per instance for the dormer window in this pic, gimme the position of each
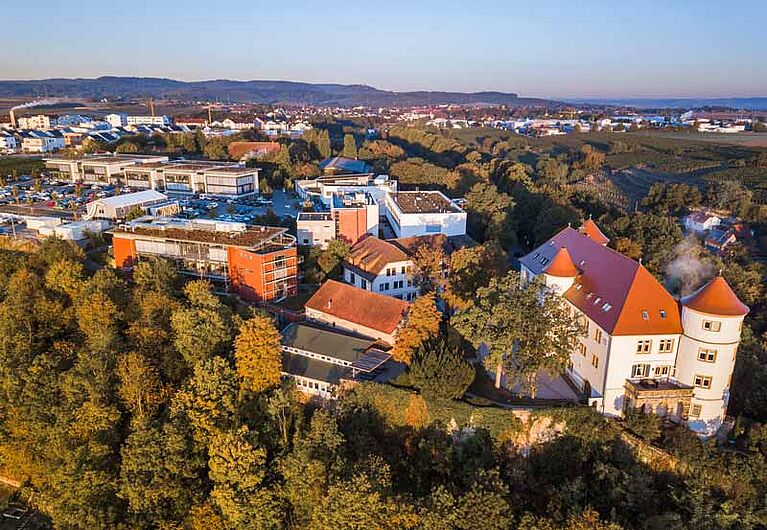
(597, 300)
(663, 313)
(606, 307)
(589, 295)
(544, 261)
(578, 287)
(535, 256)
(645, 315)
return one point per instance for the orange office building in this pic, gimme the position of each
(260, 263)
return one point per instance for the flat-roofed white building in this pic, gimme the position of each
(120, 206)
(322, 189)
(420, 213)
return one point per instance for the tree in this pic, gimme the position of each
(439, 370)
(350, 147)
(428, 262)
(140, 387)
(202, 329)
(469, 269)
(422, 322)
(238, 472)
(525, 330)
(323, 144)
(671, 198)
(257, 354)
(209, 398)
(644, 425)
(331, 258)
(490, 212)
(729, 195)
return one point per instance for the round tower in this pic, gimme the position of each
(560, 273)
(712, 318)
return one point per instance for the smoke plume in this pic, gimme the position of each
(689, 268)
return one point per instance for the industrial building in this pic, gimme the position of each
(121, 206)
(260, 263)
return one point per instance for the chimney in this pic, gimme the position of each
(13, 118)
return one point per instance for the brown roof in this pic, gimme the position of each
(372, 255)
(239, 149)
(591, 229)
(253, 237)
(368, 309)
(562, 265)
(616, 292)
(716, 298)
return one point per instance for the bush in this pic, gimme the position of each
(644, 425)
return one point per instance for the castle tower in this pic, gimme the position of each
(560, 273)
(711, 322)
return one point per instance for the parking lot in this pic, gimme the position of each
(48, 197)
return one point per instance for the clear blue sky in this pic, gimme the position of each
(536, 48)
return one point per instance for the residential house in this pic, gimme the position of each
(356, 310)
(700, 222)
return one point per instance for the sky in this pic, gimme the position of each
(537, 48)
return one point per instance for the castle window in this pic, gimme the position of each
(663, 370)
(582, 349)
(666, 346)
(695, 410)
(703, 381)
(711, 325)
(640, 370)
(594, 361)
(707, 355)
(644, 346)
(598, 335)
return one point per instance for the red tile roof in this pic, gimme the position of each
(562, 265)
(591, 229)
(616, 292)
(372, 255)
(368, 309)
(716, 298)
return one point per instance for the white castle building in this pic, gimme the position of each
(642, 347)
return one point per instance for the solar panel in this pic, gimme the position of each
(371, 360)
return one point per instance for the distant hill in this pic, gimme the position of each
(756, 103)
(271, 92)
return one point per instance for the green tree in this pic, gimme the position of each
(330, 259)
(490, 212)
(350, 147)
(525, 330)
(202, 329)
(439, 370)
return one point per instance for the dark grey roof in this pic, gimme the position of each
(303, 366)
(348, 165)
(325, 341)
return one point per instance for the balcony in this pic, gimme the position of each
(665, 397)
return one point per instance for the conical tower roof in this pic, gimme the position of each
(562, 265)
(716, 298)
(590, 229)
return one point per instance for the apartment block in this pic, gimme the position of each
(260, 263)
(351, 216)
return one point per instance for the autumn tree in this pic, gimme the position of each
(469, 269)
(525, 330)
(238, 471)
(330, 259)
(422, 322)
(350, 147)
(140, 386)
(257, 353)
(489, 212)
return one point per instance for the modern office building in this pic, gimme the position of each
(419, 213)
(351, 216)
